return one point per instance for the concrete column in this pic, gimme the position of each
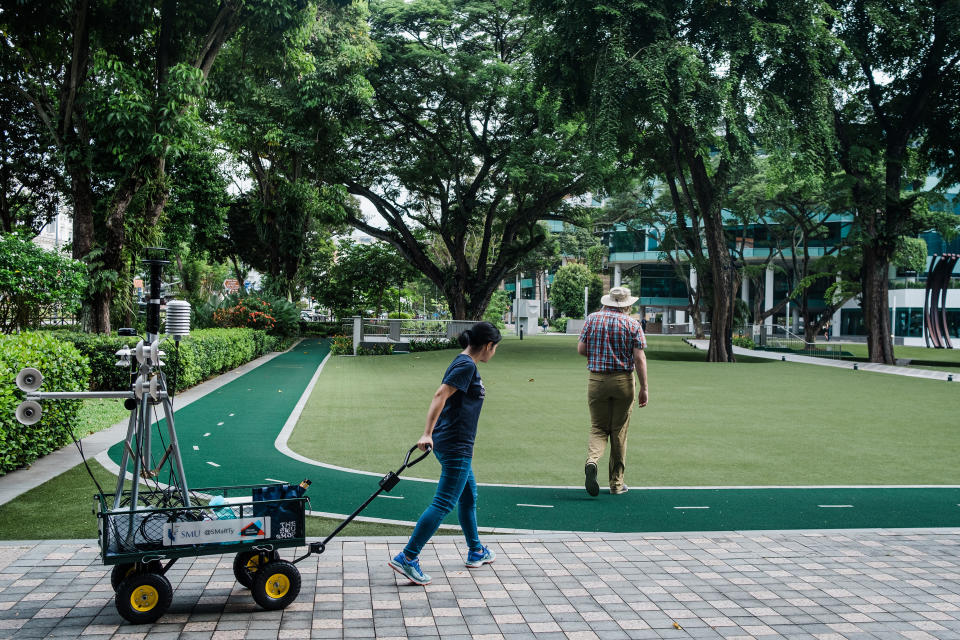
(768, 296)
(745, 290)
(616, 275)
(357, 332)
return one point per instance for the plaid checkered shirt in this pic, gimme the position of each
(611, 336)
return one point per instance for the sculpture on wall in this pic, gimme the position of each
(935, 300)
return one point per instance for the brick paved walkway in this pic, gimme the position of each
(827, 585)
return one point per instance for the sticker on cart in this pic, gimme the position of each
(238, 530)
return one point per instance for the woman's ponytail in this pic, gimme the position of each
(464, 338)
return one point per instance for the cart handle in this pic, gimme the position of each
(406, 461)
(387, 483)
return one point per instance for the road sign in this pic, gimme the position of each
(231, 285)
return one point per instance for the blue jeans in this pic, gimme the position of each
(455, 487)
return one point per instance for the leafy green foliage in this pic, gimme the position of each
(463, 150)
(63, 369)
(34, 282)
(363, 280)
(206, 353)
(566, 294)
(284, 112)
(31, 179)
(273, 315)
(498, 307)
(596, 256)
(911, 254)
(201, 355)
(746, 343)
(434, 344)
(341, 345)
(377, 349)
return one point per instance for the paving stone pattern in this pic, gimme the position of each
(816, 584)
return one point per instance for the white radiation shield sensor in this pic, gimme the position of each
(29, 379)
(29, 412)
(178, 318)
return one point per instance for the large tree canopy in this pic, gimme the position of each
(116, 85)
(283, 114)
(896, 88)
(463, 144)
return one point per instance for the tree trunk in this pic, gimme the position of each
(721, 321)
(876, 266)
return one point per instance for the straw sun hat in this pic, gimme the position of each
(618, 297)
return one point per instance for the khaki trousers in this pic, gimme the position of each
(610, 397)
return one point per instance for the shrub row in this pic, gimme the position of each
(434, 344)
(64, 369)
(746, 343)
(79, 362)
(203, 354)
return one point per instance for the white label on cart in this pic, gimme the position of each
(233, 530)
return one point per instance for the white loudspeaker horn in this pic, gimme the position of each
(29, 379)
(29, 412)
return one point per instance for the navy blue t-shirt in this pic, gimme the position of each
(456, 428)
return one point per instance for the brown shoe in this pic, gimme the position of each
(616, 492)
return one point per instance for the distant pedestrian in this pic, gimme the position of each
(643, 324)
(613, 343)
(450, 431)
(827, 331)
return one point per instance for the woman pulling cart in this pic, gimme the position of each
(450, 431)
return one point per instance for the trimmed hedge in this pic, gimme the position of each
(64, 369)
(203, 354)
(434, 344)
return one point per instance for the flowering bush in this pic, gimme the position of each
(250, 313)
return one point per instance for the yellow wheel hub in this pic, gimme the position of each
(253, 564)
(144, 598)
(278, 585)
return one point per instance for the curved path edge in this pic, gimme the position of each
(229, 440)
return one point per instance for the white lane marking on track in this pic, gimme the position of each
(206, 434)
(691, 507)
(392, 497)
(196, 448)
(537, 506)
(219, 424)
(212, 464)
(835, 506)
(274, 480)
(231, 415)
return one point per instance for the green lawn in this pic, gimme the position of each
(920, 357)
(97, 415)
(62, 508)
(756, 422)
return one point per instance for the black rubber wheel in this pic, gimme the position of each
(246, 563)
(276, 585)
(143, 597)
(122, 571)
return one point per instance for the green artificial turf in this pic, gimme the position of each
(97, 415)
(62, 508)
(755, 422)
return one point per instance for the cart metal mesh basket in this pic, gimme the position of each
(162, 526)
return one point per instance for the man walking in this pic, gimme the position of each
(613, 343)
